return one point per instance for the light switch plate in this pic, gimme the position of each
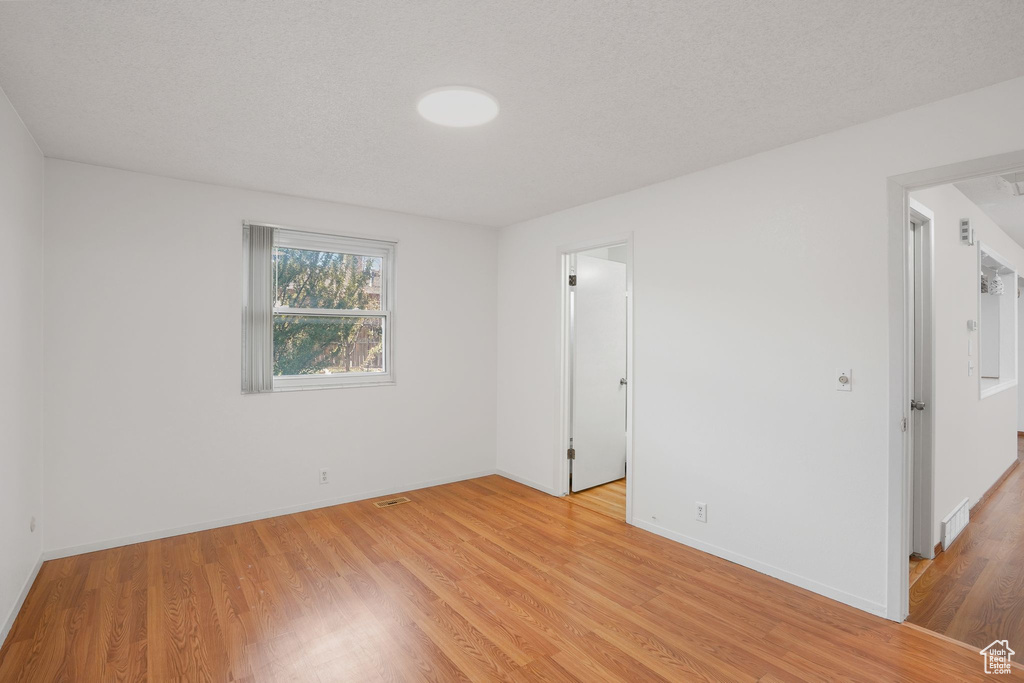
(966, 232)
(844, 380)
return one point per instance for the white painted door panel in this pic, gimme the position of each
(599, 398)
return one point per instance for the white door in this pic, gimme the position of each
(599, 372)
(919, 413)
(913, 332)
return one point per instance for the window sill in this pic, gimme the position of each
(990, 387)
(319, 382)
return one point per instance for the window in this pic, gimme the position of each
(317, 310)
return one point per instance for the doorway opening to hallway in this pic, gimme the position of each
(597, 397)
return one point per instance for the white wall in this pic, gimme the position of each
(146, 427)
(734, 378)
(975, 439)
(615, 253)
(1020, 355)
(21, 271)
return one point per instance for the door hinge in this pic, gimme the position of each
(572, 280)
(903, 424)
(570, 453)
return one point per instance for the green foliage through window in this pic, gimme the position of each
(329, 281)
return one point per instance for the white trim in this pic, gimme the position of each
(630, 477)
(767, 569)
(348, 234)
(374, 247)
(16, 608)
(329, 312)
(286, 383)
(528, 482)
(561, 463)
(983, 391)
(68, 551)
(920, 453)
(997, 388)
(290, 238)
(898, 188)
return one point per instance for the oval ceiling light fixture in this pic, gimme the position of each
(457, 106)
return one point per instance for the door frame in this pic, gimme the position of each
(920, 361)
(561, 462)
(899, 187)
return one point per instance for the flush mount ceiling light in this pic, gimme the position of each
(457, 106)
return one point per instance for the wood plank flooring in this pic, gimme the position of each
(974, 591)
(480, 580)
(918, 565)
(608, 499)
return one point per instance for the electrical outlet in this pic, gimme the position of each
(702, 512)
(323, 476)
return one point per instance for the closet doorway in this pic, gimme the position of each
(596, 321)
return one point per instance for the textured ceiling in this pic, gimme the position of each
(597, 97)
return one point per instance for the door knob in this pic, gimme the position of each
(916, 405)
(622, 382)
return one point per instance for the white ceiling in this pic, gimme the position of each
(597, 97)
(994, 196)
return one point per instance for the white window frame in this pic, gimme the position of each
(288, 238)
(1007, 337)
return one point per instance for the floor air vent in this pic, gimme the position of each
(955, 522)
(392, 501)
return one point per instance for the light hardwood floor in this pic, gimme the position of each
(974, 591)
(608, 499)
(480, 580)
(918, 566)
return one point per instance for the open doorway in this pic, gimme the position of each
(596, 359)
(963, 525)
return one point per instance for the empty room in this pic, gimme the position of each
(575, 340)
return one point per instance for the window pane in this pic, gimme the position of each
(316, 345)
(323, 279)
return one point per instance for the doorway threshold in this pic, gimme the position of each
(608, 499)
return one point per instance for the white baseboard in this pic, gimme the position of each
(527, 482)
(9, 621)
(56, 553)
(781, 574)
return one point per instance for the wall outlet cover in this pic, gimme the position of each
(702, 512)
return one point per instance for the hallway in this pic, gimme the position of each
(974, 592)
